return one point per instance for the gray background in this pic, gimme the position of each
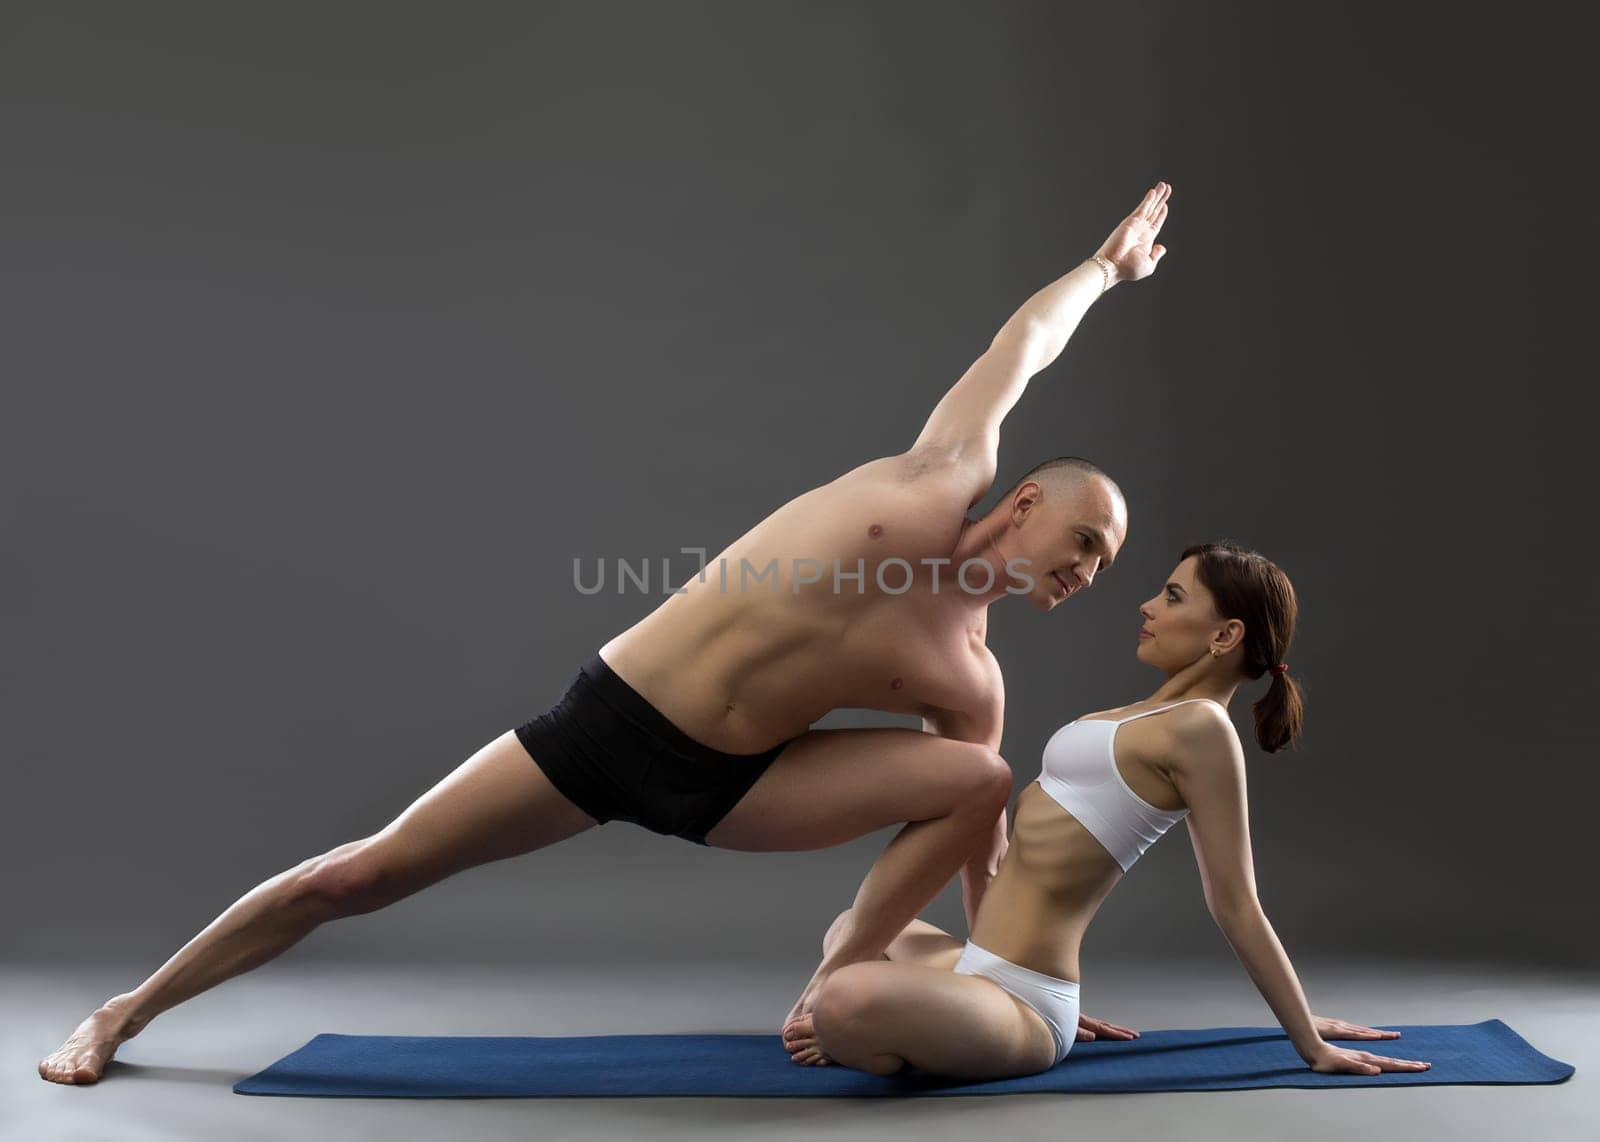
(334, 333)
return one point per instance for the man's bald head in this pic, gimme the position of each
(1065, 473)
(1064, 518)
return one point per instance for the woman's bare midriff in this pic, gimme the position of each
(1056, 874)
(1053, 879)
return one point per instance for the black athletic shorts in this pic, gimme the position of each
(616, 757)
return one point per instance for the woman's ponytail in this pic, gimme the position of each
(1248, 586)
(1279, 712)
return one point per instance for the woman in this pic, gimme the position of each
(1006, 1002)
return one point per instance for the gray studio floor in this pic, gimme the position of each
(173, 1081)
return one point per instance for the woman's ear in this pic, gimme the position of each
(1230, 635)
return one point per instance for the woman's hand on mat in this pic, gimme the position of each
(1092, 1028)
(1132, 247)
(1338, 1061)
(1339, 1029)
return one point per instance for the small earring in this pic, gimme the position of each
(1213, 652)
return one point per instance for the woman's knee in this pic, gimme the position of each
(845, 1005)
(848, 1021)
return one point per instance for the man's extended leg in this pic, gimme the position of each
(831, 786)
(496, 804)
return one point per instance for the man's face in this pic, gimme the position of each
(1070, 534)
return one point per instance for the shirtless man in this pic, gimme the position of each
(869, 592)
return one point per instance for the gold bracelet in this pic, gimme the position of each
(1105, 271)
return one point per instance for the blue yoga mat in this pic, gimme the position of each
(757, 1066)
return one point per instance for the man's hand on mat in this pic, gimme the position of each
(1338, 1061)
(1091, 1028)
(1132, 247)
(1339, 1029)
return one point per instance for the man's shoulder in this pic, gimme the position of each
(924, 463)
(926, 479)
(893, 508)
(896, 470)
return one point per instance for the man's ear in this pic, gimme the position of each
(1023, 501)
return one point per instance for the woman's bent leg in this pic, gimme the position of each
(878, 1017)
(496, 804)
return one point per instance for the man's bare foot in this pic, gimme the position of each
(799, 1016)
(83, 1057)
(800, 1039)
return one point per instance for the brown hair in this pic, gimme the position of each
(1253, 589)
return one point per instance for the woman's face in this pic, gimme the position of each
(1180, 622)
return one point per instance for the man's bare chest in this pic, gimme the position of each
(913, 656)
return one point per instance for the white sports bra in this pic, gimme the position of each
(1080, 774)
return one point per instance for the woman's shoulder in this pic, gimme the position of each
(1202, 730)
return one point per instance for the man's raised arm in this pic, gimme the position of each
(965, 425)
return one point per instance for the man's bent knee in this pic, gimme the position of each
(988, 780)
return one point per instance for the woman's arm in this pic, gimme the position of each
(1250, 934)
(1209, 772)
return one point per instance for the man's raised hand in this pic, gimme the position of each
(1132, 247)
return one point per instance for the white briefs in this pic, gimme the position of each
(1056, 1000)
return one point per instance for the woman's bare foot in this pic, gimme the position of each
(83, 1057)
